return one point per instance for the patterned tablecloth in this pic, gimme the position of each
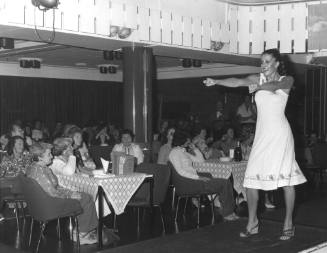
(118, 189)
(224, 170)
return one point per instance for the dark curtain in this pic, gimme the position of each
(52, 100)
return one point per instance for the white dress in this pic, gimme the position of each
(272, 159)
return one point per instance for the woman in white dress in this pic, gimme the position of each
(272, 159)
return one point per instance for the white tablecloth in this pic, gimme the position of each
(224, 170)
(118, 189)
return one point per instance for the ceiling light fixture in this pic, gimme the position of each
(120, 31)
(46, 4)
(217, 45)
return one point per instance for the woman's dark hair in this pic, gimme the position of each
(12, 142)
(274, 52)
(127, 131)
(180, 137)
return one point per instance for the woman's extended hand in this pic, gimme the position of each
(209, 82)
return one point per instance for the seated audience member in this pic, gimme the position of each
(28, 129)
(246, 112)
(128, 147)
(102, 138)
(163, 130)
(182, 157)
(16, 130)
(218, 129)
(58, 130)
(246, 146)
(227, 142)
(201, 134)
(311, 142)
(83, 159)
(36, 133)
(64, 162)
(207, 152)
(4, 140)
(17, 160)
(167, 147)
(41, 173)
(14, 163)
(115, 135)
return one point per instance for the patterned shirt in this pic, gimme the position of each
(48, 181)
(11, 166)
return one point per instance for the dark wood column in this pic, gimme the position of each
(138, 70)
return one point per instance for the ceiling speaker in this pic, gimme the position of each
(197, 63)
(7, 43)
(103, 70)
(112, 69)
(36, 64)
(187, 63)
(108, 55)
(118, 55)
(25, 63)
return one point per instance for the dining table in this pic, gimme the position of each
(226, 170)
(115, 190)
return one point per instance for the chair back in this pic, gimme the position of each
(42, 206)
(185, 186)
(161, 177)
(96, 152)
(12, 183)
(320, 155)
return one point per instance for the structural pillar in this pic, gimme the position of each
(138, 65)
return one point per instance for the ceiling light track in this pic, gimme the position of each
(262, 3)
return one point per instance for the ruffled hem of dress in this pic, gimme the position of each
(269, 185)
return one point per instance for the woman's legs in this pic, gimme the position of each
(252, 199)
(289, 195)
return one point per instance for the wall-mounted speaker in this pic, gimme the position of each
(103, 70)
(187, 63)
(7, 43)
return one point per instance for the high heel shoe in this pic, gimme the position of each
(253, 231)
(287, 234)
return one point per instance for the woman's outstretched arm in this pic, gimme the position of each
(233, 82)
(285, 84)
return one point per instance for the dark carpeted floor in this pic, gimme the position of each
(310, 220)
(309, 213)
(224, 237)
